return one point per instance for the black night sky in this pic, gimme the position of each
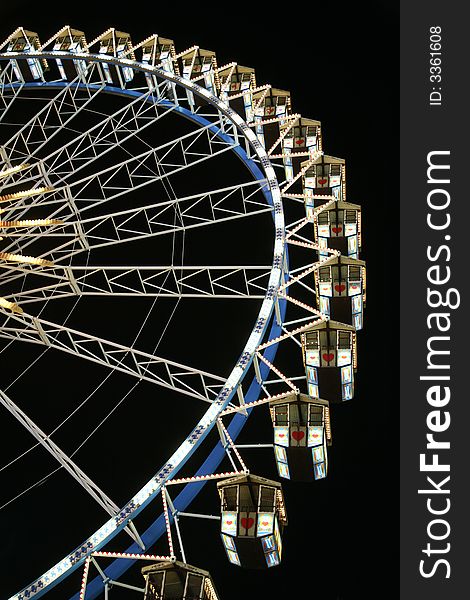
(340, 62)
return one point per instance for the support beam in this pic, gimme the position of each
(168, 374)
(172, 281)
(66, 462)
(143, 222)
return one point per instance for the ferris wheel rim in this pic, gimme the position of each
(267, 308)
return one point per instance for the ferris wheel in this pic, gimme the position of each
(157, 180)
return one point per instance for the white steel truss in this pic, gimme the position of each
(130, 175)
(96, 142)
(197, 210)
(144, 366)
(67, 463)
(53, 118)
(166, 281)
(10, 92)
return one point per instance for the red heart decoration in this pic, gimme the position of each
(298, 435)
(340, 287)
(281, 434)
(322, 181)
(315, 435)
(265, 523)
(328, 357)
(247, 523)
(300, 141)
(354, 287)
(336, 229)
(229, 522)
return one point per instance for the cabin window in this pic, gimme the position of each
(311, 340)
(344, 340)
(156, 582)
(230, 498)
(282, 414)
(316, 415)
(193, 586)
(266, 499)
(354, 273)
(335, 170)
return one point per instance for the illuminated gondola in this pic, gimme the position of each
(28, 42)
(177, 581)
(326, 176)
(338, 227)
(200, 66)
(253, 519)
(330, 358)
(70, 40)
(302, 432)
(272, 107)
(300, 141)
(118, 44)
(157, 50)
(341, 290)
(237, 84)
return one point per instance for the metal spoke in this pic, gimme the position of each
(175, 156)
(100, 139)
(51, 119)
(168, 374)
(145, 168)
(197, 210)
(180, 281)
(8, 97)
(66, 462)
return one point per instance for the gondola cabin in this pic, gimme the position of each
(330, 357)
(340, 288)
(158, 52)
(326, 176)
(302, 432)
(299, 144)
(253, 519)
(338, 226)
(270, 111)
(73, 41)
(177, 581)
(118, 44)
(30, 69)
(200, 66)
(236, 88)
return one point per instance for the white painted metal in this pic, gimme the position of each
(181, 281)
(67, 463)
(144, 366)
